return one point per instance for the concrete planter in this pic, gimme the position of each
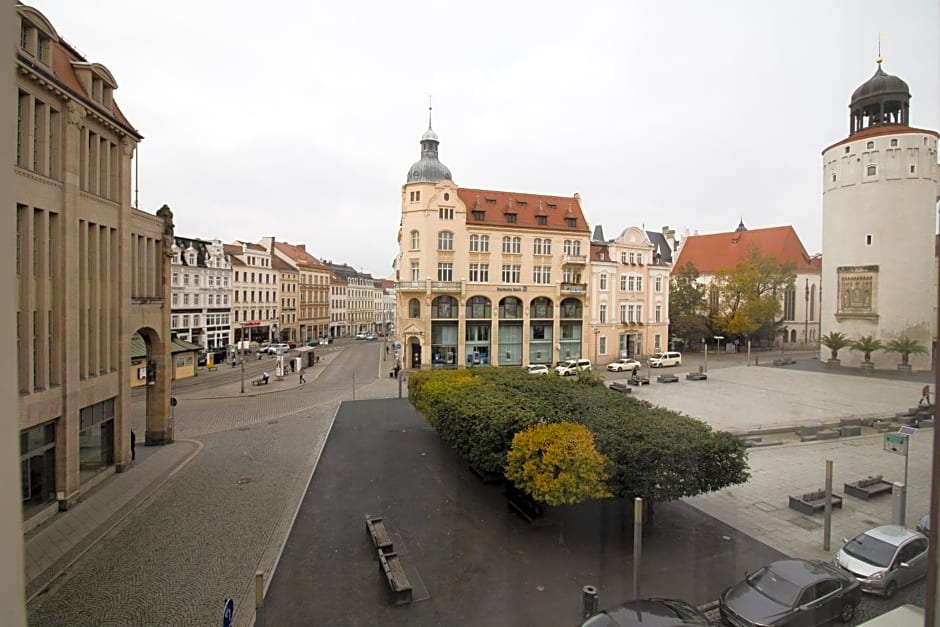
(833, 362)
(868, 366)
(904, 368)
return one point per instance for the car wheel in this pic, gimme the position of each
(891, 589)
(848, 612)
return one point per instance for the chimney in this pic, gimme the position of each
(302, 247)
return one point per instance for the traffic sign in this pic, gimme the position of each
(398, 346)
(228, 613)
(896, 443)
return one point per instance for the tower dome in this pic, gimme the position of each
(882, 99)
(428, 169)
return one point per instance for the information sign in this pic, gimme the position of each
(896, 443)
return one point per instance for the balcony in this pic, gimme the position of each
(574, 288)
(578, 260)
(412, 286)
(446, 286)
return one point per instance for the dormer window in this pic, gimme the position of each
(542, 220)
(511, 218)
(871, 170)
(572, 222)
(479, 216)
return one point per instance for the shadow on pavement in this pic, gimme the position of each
(480, 564)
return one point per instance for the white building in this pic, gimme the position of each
(880, 191)
(201, 283)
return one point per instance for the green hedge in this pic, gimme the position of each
(652, 452)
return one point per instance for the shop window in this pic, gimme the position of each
(95, 439)
(37, 464)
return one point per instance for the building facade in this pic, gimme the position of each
(338, 289)
(488, 277)
(92, 271)
(630, 293)
(313, 296)
(358, 311)
(288, 280)
(880, 190)
(254, 293)
(200, 279)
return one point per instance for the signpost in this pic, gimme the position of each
(900, 444)
(228, 612)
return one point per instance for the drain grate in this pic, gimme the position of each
(764, 506)
(805, 523)
(243, 481)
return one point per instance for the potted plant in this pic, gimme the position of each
(905, 347)
(866, 345)
(835, 341)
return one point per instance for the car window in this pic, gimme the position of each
(774, 587)
(911, 550)
(809, 595)
(827, 587)
(870, 549)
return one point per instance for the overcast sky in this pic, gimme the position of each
(299, 119)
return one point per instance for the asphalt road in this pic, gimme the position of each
(470, 560)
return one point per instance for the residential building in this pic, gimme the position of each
(722, 252)
(388, 306)
(630, 293)
(880, 191)
(254, 292)
(338, 308)
(360, 298)
(201, 293)
(313, 298)
(91, 269)
(488, 277)
(288, 276)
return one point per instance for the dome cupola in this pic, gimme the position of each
(881, 100)
(428, 169)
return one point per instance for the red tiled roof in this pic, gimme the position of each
(723, 251)
(299, 254)
(878, 131)
(526, 207)
(279, 264)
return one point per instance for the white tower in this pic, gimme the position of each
(880, 192)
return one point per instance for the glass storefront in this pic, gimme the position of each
(479, 312)
(510, 333)
(541, 326)
(444, 335)
(571, 329)
(37, 465)
(95, 439)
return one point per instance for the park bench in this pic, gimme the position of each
(868, 487)
(667, 378)
(379, 534)
(620, 386)
(398, 584)
(638, 381)
(696, 376)
(812, 502)
(784, 361)
(259, 381)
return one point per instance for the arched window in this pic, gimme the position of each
(517, 244)
(571, 308)
(541, 307)
(474, 243)
(484, 243)
(546, 247)
(415, 240)
(507, 244)
(576, 247)
(414, 308)
(479, 307)
(444, 307)
(510, 308)
(445, 240)
(537, 246)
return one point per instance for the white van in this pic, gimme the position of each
(660, 360)
(572, 366)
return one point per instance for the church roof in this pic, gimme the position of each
(723, 251)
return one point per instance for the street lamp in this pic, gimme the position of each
(597, 332)
(806, 314)
(705, 350)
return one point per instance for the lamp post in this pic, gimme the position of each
(597, 333)
(806, 314)
(705, 350)
(243, 360)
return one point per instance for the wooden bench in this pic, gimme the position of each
(620, 386)
(398, 584)
(696, 376)
(259, 381)
(868, 487)
(812, 502)
(379, 534)
(667, 378)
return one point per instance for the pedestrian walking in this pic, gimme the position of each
(133, 445)
(303, 379)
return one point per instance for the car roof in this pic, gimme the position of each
(803, 572)
(893, 534)
(645, 612)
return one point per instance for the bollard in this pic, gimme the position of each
(589, 601)
(259, 599)
(898, 502)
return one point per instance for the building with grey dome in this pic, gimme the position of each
(428, 169)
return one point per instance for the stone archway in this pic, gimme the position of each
(159, 419)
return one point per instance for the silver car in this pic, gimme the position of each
(885, 558)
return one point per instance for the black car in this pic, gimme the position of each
(793, 593)
(652, 612)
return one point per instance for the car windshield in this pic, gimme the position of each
(774, 587)
(657, 356)
(684, 612)
(870, 549)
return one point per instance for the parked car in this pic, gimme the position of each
(791, 592)
(649, 613)
(885, 558)
(572, 366)
(923, 525)
(630, 365)
(324, 341)
(292, 343)
(362, 335)
(274, 349)
(537, 369)
(661, 360)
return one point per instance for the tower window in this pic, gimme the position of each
(894, 143)
(868, 240)
(446, 196)
(913, 168)
(870, 146)
(871, 170)
(847, 150)
(833, 177)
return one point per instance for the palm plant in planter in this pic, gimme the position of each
(866, 345)
(835, 341)
(905, 347)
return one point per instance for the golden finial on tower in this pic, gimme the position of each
(879, 58)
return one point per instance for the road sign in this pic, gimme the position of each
(398, 346)
(896, 443)
(228, 613)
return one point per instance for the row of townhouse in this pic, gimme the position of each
(268, 292)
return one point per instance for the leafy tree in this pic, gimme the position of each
(557, 464)
(905, 347)
(866, 345)
(749, 294)
(687, 319)
(835, 341)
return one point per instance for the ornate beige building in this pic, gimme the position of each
(488, 277)
(630, 293)
(254, 292)
(92, 271)
(313, 298)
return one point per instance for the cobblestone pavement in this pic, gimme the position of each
(200, 538)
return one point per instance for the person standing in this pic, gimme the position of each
(925, 395)
(133, 445)
(302, 378)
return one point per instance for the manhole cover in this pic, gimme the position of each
(765, 507)
(806, 523)
(243, 481)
